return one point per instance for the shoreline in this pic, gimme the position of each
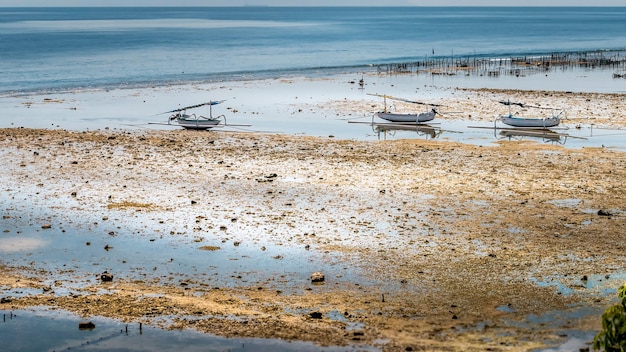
(474, 66)
(304, 105)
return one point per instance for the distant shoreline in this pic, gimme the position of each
(467, 65)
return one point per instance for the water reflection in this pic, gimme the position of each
(487, 133)
(422, 130)
(43, 330)
(542, 135)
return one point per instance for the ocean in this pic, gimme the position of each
(64, 49)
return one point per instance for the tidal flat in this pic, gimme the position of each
(423, 243)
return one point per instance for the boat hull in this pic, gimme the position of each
(197, 126)
(192, 122)
(530, 122)
(414, 118)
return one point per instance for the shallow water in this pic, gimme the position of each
(295, 106)
(42, 330)
(78, 254)
(484, 133)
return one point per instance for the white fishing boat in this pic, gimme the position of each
(195, 122)
(397, 117)
(410, 117)
(531, 122)
(515, 120)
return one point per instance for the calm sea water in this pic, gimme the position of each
(52, 49)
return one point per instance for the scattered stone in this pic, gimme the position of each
(86, 325)
(317, 277)
(315, 315)
(356, 335)
(105, 276)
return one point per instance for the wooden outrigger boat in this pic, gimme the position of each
(529, 122)
(180, 117)
(405, 117)
(193, 121)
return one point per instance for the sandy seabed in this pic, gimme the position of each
(449, 246)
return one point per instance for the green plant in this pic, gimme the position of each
(612, 337)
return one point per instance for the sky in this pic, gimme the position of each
(48, 3)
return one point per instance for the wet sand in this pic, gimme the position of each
(454, 246)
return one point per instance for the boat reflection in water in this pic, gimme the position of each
(421, 129)
(541, 134)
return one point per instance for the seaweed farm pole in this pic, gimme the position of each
(474, 58)
(452, 58)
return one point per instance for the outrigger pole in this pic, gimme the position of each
(210, 103)
(402, 99)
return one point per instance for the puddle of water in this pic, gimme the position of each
(77, 257)
(557, 323)
(506, 308)
(515, 230)
(597, 284)
(577, 341)
(59, 331)
(566, 203)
